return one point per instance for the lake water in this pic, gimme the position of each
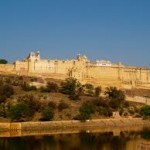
(124, 140)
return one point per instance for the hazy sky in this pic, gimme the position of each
(115, 30)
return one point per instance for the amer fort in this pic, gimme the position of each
(99, 73)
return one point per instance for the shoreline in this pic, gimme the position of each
(116, 131)
(116, 126)
(73, 124)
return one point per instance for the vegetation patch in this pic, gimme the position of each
(69, 99)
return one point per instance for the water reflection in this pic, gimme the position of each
(81, 141)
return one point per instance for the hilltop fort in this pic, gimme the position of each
(100, 72)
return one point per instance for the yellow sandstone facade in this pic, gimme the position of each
(102, 73)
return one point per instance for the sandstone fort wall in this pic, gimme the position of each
(7, 68)
(103, 73)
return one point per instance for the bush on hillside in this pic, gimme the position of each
(85, 111)
(62, 105)
(145, 111)
(114, 93)
(100, 102)
(5, 92)
(50, 87)
(32, 103)
(47, 114)
(114, 97)
(88, 89)
(103, 111)
(74, 96)
(98, 91)
(71, 87)
(18, 112)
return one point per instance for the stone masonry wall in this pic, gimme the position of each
(7, 68)
(102, 123)
(82, 69)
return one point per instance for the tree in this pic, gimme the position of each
(114, 93)
(115, 97)
(3, 61)
(71, 87)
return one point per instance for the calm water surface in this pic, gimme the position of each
(80, 141)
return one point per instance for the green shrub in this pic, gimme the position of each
(87, 107)
(85, 111)
(62, 105)
(145, 111)
(47, 114)
(18, 112)
(70, 85)
(32, 103)
(115, 97)
(114, 93)
(83, 116)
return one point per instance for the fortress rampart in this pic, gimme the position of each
(101, 72)
(7, 68)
